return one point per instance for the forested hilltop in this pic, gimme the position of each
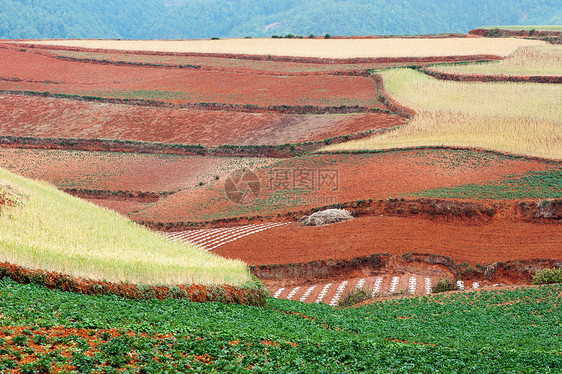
(157, 19)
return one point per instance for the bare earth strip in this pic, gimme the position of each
(319, 48)
(121, 171)
(484, 244)
(55, 118)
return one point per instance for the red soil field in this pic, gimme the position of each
(120, 171)
(359, 176)
(33, 72)
(475, 244)
(56, 118)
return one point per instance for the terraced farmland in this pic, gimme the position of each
(158, 173)
(473, 242)
(69, 119)
(355, 177)
(224, 63)
(177, 86)
(224, 149)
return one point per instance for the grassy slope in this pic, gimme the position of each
(54, 231)
(543, 60)
(512, 117)
(484, 332)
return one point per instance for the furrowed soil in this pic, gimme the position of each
(474, 244)
(33, 72)
(326, 179)
(40, 117)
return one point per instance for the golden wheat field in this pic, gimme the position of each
(539, 60)
(522, 118)
(320, 48)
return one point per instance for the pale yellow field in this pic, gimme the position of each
(322, 48)
(520, 118)
(542, 60)
(53, 231)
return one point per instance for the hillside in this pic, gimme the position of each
(43, 228)
(159, 19)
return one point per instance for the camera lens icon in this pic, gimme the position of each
(242, 187)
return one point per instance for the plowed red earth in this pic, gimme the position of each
(120, 171)
(55, 118)
(475, 244)
(362, 176)
(43, 73)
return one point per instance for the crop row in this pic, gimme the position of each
(210, 239)
(376, 286)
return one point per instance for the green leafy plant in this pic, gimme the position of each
(355, 296)
(444, 285)
(547, 276)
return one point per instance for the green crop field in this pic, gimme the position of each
(535, 185)
(516, 331)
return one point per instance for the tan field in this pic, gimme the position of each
(320, 48)
(521, 118)
(541, 60)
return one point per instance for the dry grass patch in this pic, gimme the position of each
(321, 48)
(541, 60)
(520, 118)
